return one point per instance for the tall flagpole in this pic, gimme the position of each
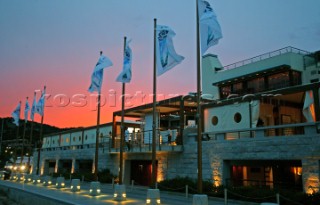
(1, 136)
(17, 137)
(96, 156)
(122, 125)
(199, 117)
(31, 134)
(41, 131)
(154, 174)
(23, 136)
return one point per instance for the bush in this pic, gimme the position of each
(252, 194)
(177, 184)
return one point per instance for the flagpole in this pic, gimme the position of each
(96, 156)
(17, 137)
(40, 138)
(1, 136)
(31, 134)
(23, 136)
(122, 124)
(199, 147)
(154, 174)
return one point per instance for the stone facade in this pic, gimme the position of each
(216, 154)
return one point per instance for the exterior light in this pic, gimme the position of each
(95, 188)
(60, 182)
(75, 185)
(120, 192)
(153, 196)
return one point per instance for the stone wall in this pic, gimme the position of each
(215, 157)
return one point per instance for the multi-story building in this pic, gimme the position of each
(261, 127)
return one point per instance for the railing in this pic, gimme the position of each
(166, 140)
(262, 183)
(269, 131)
(281, 51)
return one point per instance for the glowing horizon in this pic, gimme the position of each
(57, 44)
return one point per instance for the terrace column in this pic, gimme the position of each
(56, 167)
(310, 175)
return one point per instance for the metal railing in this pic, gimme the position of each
(268, 131)
(166, 140)
(264, 56)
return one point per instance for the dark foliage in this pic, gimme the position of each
(251, 194)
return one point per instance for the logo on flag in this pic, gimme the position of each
(126, 74)
(210, 30)
(33, 108)
(166, 56)
(97, 75)
(26, 110)
(40, 104)
(16, 114)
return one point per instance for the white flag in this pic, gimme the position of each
(40, 104)
(308, 107)
(26, 111)
(166, 56)
(16, 114)
(97, 75)
(126, 74)
(33, 108)
(210, 30)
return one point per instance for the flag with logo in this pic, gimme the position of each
(33, 108)
(166, 56)
(26, 110)
(210, 30)
(308, 107)
(16, 114)
(126, 73)
(97, 75)
(40, 104)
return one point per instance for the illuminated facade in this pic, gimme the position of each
(261, 128)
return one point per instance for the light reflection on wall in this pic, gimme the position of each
(312, 185)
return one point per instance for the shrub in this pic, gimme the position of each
(252, 194)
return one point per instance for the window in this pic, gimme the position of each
(296, 78)
(225, 91)
(214, 120)
(256, 85)
(237, 117)
(279, 80)
(237, 88)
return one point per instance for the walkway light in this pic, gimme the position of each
(60, 183)
(95, 188)
(75, 185)
(36, 179)
(47, 181)
(120, 192)
(153, 197)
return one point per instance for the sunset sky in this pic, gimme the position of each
(57, 42)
